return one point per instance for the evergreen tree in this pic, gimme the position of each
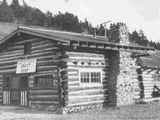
(28, 15)
(6, 13)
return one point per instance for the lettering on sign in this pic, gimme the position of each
(26, 66)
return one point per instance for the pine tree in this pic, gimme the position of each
(6, 13)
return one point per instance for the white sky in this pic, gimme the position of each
(137, 14)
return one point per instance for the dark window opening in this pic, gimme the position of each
(43, 81)
(27, 48)
(24, 82)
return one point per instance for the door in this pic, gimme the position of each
(15, 92)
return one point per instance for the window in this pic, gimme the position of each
(85, 77)
(43, 81)
(27, 48)
(90, 77)
(95, 77)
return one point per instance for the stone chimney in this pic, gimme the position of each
(127, 82)
(123, 82)
(123, 34)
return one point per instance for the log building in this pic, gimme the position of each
(67, 72)
(149, 77)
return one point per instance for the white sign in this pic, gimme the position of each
(26, 66)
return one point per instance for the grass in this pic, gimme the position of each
(132, 112)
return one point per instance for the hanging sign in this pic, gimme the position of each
(26, 66)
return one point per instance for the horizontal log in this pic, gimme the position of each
(19, 42)
(43, 57)
(47, 72)
(44, 92)
(40, 42)
(5, 63)
(42, 68)
(70, 104)
(15, 58)
(76, 84)
(148, 82)
(82, 54)
(45, 102)
(44, 45)
(46, 63)
(43, 98)
(8, 67)
(10, 53)
(44, 50)
(147, 93)
(88, 59)
(14, 47)
(8, 71)
(41, 54)
(70, 89)
(151, 99)
(88, 97)
(73, 77)
(147, 96)
(80, 66)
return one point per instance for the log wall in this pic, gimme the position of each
(150, 78)
(80, 96)
(48, 58)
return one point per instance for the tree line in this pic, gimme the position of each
(27, 15)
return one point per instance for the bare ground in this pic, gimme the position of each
(134, 112)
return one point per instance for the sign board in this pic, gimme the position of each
(26, 66)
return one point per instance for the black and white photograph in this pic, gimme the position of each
(79, 60)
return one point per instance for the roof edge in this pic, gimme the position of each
(29, 30)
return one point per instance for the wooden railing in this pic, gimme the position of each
(15, 97)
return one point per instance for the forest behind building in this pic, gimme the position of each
(24, 14)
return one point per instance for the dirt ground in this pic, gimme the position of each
(134, 112)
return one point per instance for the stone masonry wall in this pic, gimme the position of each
(127, 82)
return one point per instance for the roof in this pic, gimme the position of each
(152, 61)
(68, 37)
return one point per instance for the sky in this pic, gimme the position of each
(137, 14)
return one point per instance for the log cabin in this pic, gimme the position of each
(67, 72)
(149, 77)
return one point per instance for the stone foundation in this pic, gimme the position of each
(79, 108)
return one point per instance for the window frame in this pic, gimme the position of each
(90, 70)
